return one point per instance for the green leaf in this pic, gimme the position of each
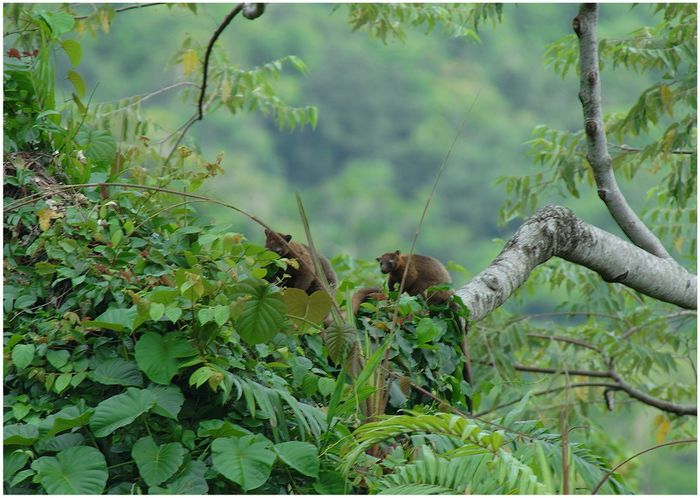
(189, 482)
(60, 442)
(247, 460)
(427, 331)
(117, 319)
(220, 428)
(330, 483)
(20, 434)
(173, 313)
(169, 400)
(99, 145)
(262, 316)
(339, 340)
(79, 470)
(78, 85)
(67, 418)
(157, 463)
(57, 358)
(156, 311)
(60, 23)
(157, 355)
(302, 457)
(120, 410)
(62, 381)
(73, 50)
(22, 355)
(221, 314)
(117, 372)
(13, 463)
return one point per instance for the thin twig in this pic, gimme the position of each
(628, 149)
(611, 472)
(124, 9)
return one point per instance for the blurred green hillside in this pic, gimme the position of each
(387, 116)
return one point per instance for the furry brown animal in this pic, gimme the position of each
(304, 277)
(423, 272)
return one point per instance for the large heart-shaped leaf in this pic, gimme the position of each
(300, 456)
(120, 410)
(80, 470)
(20, 434)
(67, 418)
(157, 355)
(305, 310)
(117, 319)
(22, 355)
(262, 316)
(190, 481)
(169, 400)
(157, 463)
(100, 146)
(247, 460)
(117, 371)
(339, 340)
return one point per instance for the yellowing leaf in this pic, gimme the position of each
(189, 62)
(226, 89)
(667, 98)
(105, 20)
(678, 244)
(45, 216)
(663, 425)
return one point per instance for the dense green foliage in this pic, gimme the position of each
(147, 348)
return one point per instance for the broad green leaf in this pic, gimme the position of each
(22, 355)
(427, 330)
(189, 481)
(73, 50)
(60, 442)
(21, 476)
(57, 357)
(65, 419)
(330, 483)
(156, 311)
(99, 145)
(20, 434)
(220, 428)
(20, 410)
(262, 316)
(169, 400)
(80, 89)
(117, 319)
(221, 314)
(300, 456)
(60, 23)
(80, 470)
(61, 382)
(157, 463)
(120, 410)
(157, 355)
(173, 313)
(247, 460)
(339, 340)
(13, 463)
(117, 372)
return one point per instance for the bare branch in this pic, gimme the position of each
(556, 231)
(568, 340)
(566, 371)
(669, 443)
(585, 26)
(633, 150)
(651, 401)
(123, 9)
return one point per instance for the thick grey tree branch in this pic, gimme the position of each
(556, 231)
(585, 26)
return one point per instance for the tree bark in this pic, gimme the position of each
(556, 231)
(585, 26)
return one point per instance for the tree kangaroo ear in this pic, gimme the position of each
(378, 259)
(287, 237)
(267, 232)
(397, 252)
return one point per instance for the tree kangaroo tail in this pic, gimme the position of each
(361, 295)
